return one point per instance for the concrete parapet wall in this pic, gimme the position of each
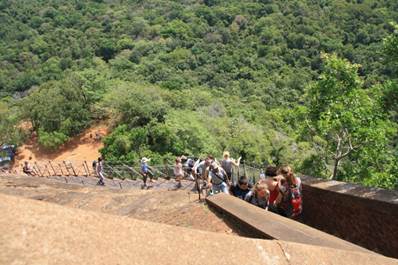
(365, 216)
(263, 224)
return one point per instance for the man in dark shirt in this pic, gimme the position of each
(241, 188)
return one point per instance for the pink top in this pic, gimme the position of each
(178, 170)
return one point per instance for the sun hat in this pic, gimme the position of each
(144, 160)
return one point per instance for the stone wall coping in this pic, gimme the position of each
(271, 225)
(351, 189)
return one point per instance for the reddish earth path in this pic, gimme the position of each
(81, 147)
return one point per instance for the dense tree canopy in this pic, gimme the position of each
(198, 77)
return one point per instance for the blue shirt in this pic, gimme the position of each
(144, 168)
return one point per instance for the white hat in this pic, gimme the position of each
(144, 160)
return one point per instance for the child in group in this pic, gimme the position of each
(259, 195)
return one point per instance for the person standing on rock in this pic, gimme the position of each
(241, 188)
(27, 169)
(145, 171)
(259, 195)
(227, 163)
(100, 171)
(217, 179)
(178, 172)
(291, 193)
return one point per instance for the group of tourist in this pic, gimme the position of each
(278, 190)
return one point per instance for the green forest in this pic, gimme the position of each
(309, 83)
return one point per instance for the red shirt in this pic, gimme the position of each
(273, 195)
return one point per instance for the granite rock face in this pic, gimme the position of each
(36, 232)
(179, 208)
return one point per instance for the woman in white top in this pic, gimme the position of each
(178, 171)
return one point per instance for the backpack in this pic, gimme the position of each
(94, 164)
(219, 175)
(191, 163)
(296, 201)
(292, 204)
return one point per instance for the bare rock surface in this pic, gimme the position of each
(37, 232)
(180, 208)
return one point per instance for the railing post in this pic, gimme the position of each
(60, 168)
(67, 169)
(73, 169)
(51, 165)
(38, 169)
(48, 171)
(85, 169)
(85, 162)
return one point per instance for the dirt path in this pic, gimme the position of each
(84, 146)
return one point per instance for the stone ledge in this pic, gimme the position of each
(269, 225)
(365, 216)
(351, 189)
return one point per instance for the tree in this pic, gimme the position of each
(343, 114)
(136, 105)
(10, 131)
(391, 47)
(107, 49)
(391, 87)
(56, 110)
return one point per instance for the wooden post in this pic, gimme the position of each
(197, 183)
(48, 171)
(74, 172)
(51, 165)
(60, 168)
(38, 169)
(85, 162)
(35, 171)
(85, 169)
(67, 169)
